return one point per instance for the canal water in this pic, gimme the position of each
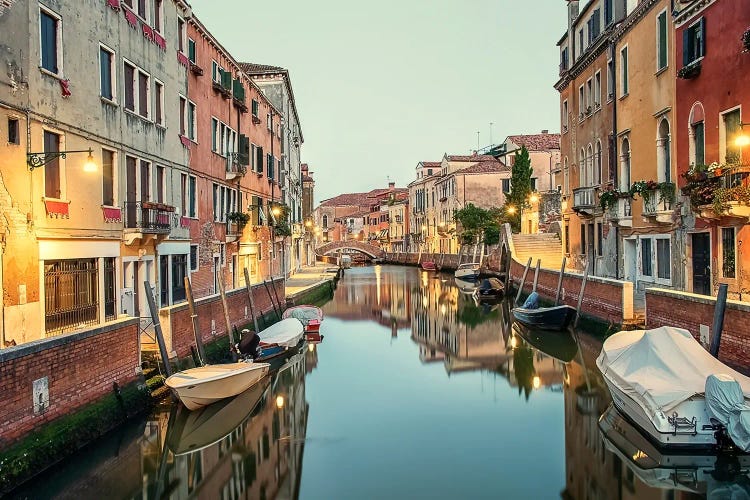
(417, 391)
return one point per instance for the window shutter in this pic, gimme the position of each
(686, 47)
(703, 38)
(244, 150)
(226, 80)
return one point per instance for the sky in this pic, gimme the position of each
(380, 86)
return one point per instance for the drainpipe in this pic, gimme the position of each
(614, 150)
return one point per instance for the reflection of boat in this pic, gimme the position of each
(346, 261)
(428, 265)
(310, 316)
(561, 346)
(666, 383)
(467, 287)
(658, 468)
(203, 385)
(280, 338)
(195, 430)
(468, 271)
(491, 288)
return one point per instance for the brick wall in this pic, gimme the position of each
(80, 369)
(689, 311)
(177, 325)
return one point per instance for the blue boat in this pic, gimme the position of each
(543, 318)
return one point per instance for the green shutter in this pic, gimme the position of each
(226, 80)
(244, 150)
(662, 40)
(238, 90)
(191, 51)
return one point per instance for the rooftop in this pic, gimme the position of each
(259, 69)
(536, 142)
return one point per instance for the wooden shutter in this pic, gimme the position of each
(703, 38)
(52, 169)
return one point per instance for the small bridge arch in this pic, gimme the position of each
(365, 248)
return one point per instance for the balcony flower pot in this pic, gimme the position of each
(690, 71)
(746, 40)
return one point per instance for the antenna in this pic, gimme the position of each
(491, 133)
(477, 140)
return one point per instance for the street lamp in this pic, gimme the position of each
(36, 160)
(279, 402)
(533, 198)
(511, 210)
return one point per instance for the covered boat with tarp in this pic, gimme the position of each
(679, 395)
(310, 316)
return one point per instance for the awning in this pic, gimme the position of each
(383, 234)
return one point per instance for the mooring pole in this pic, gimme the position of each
(580, 295)
(508, 263)
(560, 282)
(251, 299)
(270, 297)
(536, 274)
(276, 294)
(194, 320)
(523, 280)
(721, 305)
(227, 322)
(157, 328)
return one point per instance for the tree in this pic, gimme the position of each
(520, 188)
(478, 225)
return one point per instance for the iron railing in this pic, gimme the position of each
(584, 197)
(148, 217)
(70, 295)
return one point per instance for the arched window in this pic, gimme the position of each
(582, 168)
(663, 153)
(590, 166)
(625, 165)
(325, 221)
(598, 163)
(697, 142)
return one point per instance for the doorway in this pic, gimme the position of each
(701, 263)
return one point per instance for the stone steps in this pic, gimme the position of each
(546, 247)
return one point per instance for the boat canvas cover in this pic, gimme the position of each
(726, 403)
(661, 368)
(304, 313)
(286, 333)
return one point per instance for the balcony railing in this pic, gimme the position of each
(235, 168)
(584, 198)
(147, 217)
(621, 212)
(658, 206)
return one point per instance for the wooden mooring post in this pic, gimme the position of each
(523, 280)
(194, 320)
(157, 328)
(270, 297)
(718, 326)
(536, 274)
(227, 322)
(580, 295)
(560, 282)
(251, 300)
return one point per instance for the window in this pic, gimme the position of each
(583, 239)
(106, 69)
(216, 72)
(325, 221)
(646, 257)
(160, 181)
(52, 169)
(599, 239)
(146, 181)
(129, 77)
(181, 35)
(694, 42)
(49, 26)
(661, 41)
(506, 186)
(610, 79)
(259, 158)
(270, 166)
(597, 90)
(663, 153)
(109, 289)
(728, 252)
(192, 198)
(269, 121)
(190, 121)
(625, 165)
(193, 257)
(608, 12)
(159, 102)
(699, 143)
(598, 163)
(589, 95)
(183, 194)
(71, 294)
(143, 94)
(158, 15)
(13, 131)
(533, 183)
(214, 132)
(728, 136)
(663, 259)
(179, 271)
(564, 59)
(624, 71)
(191, 50)
(581, 106)
(565, 116)
(255, 108)
(108, 177)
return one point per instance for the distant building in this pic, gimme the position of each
(308, 203)
(544, 154)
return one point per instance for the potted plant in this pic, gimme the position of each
(690, 71)
(608, 198)
(239, 218)
(723, 196)
(746, 40)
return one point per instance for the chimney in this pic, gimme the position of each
(545, 131)
(391, 186)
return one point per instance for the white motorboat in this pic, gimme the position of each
(468, 271)
(668, 385)
(203, 385)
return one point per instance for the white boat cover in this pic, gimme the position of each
(726, 403)
(304, 313)
(661, 368)
(286, 333)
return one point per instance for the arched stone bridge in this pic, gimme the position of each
(365, 248)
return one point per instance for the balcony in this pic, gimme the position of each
(658, 207)
(729, 194)
(621, 213)
(234, 231)
(584, 200)
(146, 221)
(235, 167)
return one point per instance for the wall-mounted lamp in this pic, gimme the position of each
(36, 160)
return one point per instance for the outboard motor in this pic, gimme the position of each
(726, 407)
(249, 345)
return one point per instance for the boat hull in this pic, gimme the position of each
(428, 265)
(657, 428)
(235, 379)
(545, 318)
(467, 274)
